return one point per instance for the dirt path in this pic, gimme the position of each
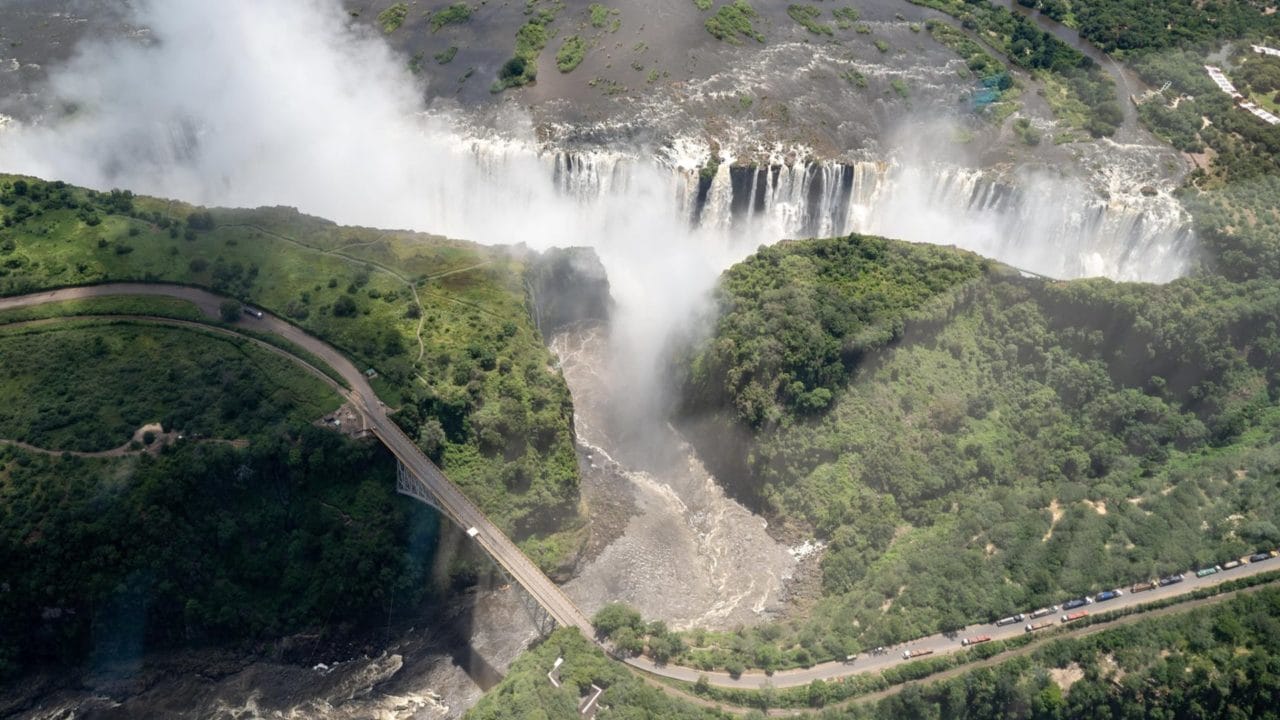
(413, 288)
(161, 441)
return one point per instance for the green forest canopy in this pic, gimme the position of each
(458, 355)
(1001, 445)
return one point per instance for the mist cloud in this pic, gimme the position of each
(249, 103)
(285, 102)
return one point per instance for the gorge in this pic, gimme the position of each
(666, 210)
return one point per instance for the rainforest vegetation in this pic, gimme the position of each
(986, 442)
(445, 325)
(1072, 79)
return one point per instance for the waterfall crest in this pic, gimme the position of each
(1047, 224)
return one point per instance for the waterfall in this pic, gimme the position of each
(1050, 225)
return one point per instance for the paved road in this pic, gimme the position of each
(447, 495)
(941, 644)
(505, 552)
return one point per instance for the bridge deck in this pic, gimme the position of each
(432, 485)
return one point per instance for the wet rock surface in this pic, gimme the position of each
(688, 554)
(432, 668)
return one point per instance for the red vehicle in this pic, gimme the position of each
(1039, 626)
(975, 640)
(1074, 616)
(912, 654)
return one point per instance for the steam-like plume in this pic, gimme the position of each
(285, 102)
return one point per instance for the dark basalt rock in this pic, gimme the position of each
(568, 286)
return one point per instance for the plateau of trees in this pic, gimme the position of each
(796, 319)
(70, 387)
(1018, 441)
(1135, 26)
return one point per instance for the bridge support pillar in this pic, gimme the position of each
(407, 484)
(542, 620)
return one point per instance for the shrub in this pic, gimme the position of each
(393, 17)
(571, 53)
(455, 14)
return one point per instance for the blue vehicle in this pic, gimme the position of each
(1109, 595)
(1170, 580)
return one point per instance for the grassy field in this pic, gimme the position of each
(89, 388)
(154, 306)
(444, 323)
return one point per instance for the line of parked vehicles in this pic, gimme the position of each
(1076, 603)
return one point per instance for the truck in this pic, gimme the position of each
(1078, 602)
(255, 312)
(911, 654)
(1206, 572)
(1010, 620)
(975, 640)
(1171, 580)
(1231, 564)
(1259, 557)
(1072, 617)
(1044, 611)
(1039, 626)
(1109, 595)
(1142, 587)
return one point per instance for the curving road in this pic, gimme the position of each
(451, 500)
(940, 644)
(447, 495)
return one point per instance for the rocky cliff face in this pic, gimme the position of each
(567, 286)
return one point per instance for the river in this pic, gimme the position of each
(683, 552)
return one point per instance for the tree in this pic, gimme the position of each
(431, 438)
(229, 310)
(201, 221)
(818, 693)
(344, 306)
(615, 616)
(512, 69)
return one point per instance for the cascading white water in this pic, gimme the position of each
(1046, 224)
